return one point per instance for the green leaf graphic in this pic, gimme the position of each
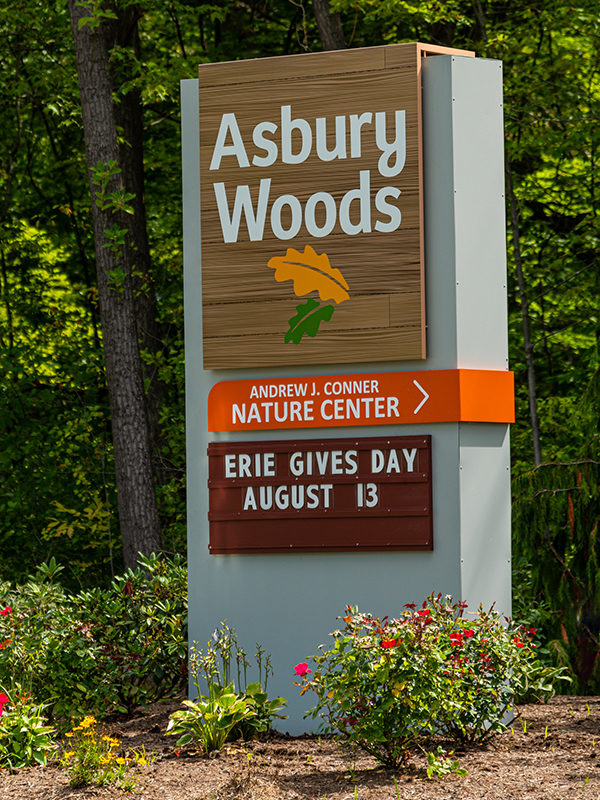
(307, 320)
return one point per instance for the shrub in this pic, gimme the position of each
(388, 685)
(100, 651)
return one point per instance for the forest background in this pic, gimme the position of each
(91, 316)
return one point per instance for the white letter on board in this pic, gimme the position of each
(410, 458)
(377, 461)
(393, 212)
(237, 149)
(356, 123)
(363, 195)
(264, 144)
(339, 151)
(230, 225)
(287, 126)
(250, 500)
(388, 149)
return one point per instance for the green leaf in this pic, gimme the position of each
(307, 320)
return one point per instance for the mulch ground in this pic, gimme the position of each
(552, 753)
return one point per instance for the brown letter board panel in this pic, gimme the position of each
(246, 310)
(316, 495)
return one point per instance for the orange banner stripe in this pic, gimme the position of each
(325, 401)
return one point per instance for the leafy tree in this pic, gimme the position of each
(57, 482)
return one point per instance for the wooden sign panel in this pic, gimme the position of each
(311, 209)
(320, 495)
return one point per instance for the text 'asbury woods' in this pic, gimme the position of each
(292, 141)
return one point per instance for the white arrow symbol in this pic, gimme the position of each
(424, 400)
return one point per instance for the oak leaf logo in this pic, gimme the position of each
(310, 272)
(307, 320)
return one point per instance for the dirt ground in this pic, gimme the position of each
(552, 753)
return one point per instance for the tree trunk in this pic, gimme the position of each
(123, 32)
(330, 26)
(529, 359)
(116, 256)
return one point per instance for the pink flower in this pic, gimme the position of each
(3, 701)
(302, 669)
(6, 611)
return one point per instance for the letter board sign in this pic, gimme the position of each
(311, 209)
(320, 495)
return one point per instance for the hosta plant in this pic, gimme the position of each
(225, 713)
(210, 720)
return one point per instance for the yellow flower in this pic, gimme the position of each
(88, 733)
(112, 742)
(88, 721)
(142, 762)
(121, 761)
(68, 735)
(69, 754)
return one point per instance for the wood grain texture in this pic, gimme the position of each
(246, 311)
(280, 68)
(262, 350)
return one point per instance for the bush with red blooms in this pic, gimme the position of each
(388, 685)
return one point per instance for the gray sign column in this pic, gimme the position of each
(289, 603)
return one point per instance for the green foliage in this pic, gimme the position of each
(104, 650)
(556, 538)
(441, 763)
(117, 200)
(261, 711)
(56, 492)
(388, 685)
(223, 654)
(96, 14)
(25, 738)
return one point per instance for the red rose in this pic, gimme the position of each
(302, 669)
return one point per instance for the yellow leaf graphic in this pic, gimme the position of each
(310, 272)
